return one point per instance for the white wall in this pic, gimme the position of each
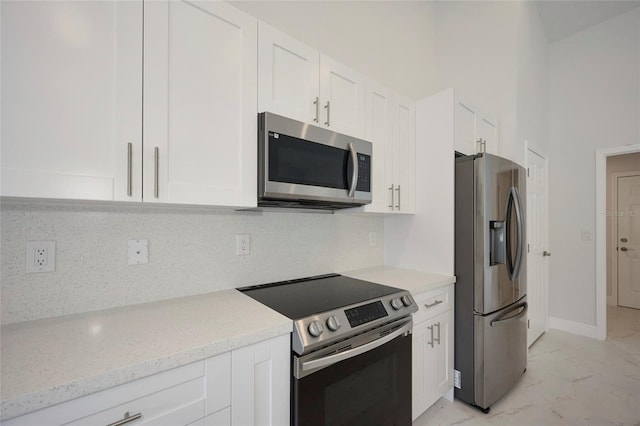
(615, 164)
(494, 55)
(532, 96)
(391, 41)
(594, 103)
(476, 52)
(191, 251)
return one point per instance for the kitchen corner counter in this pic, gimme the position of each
(415, 282)
(49, 361)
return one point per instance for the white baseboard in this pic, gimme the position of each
(449, 395)
(573, 327)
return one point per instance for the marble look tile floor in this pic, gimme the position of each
(570, 380)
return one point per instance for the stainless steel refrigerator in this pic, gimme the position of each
(491, 283)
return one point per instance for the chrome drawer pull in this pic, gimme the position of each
(127, 418)
(437, 302)
(430, 343)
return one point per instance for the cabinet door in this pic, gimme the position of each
(378, 131)
(288, 80)
(260, 376)
(200, 110)
(404, 132)
(419, 345)
(342, 98)
(443, 355)
(487, 130)
(465, 128)
(72, 100)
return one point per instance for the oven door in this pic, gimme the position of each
(365, 380)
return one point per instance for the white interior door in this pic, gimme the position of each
(629, 241)
(537, 263)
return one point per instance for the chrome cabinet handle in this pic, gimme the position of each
(127, 418)
(438, 338)
(317, 104)
(354, 175)
(546, 253)
(156, 165)
(398, 189)
(431, 330)
(391, 205)
(328, 108)
(437, 302)
(483, 145)
(129, 165)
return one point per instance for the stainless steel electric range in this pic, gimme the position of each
(351, 349)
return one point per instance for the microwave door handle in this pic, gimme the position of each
(354, 175)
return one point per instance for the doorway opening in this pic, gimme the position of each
(606, 165)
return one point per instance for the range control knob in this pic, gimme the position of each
(406, 300)
(333, 323)
(315, 328)
(396, 304)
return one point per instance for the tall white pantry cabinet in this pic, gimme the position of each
(86, 117)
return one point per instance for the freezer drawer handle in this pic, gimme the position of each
(505, 318)
(437, 302)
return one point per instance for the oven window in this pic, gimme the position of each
(372, 388)
(293, 160)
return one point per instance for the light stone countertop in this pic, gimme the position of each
(49, 361)
(415, 282)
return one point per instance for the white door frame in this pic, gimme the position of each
(601, 232)
(537, 152)
(614, 234)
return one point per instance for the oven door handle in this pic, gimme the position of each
(341, 356)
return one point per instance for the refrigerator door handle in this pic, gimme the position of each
(504, 318)
(520, 228)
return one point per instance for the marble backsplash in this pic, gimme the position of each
(191, 251)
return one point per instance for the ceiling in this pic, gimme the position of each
(566, 17)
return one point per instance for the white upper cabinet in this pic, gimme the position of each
(72, 100)
(390, 127)
(378, 131)
(474, 131)
(404, 140)
(200, 94)
(287, 76)
(300, 83)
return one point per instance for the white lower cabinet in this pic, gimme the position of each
(246, 386)
(432, 348)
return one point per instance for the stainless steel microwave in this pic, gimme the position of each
(304, 166)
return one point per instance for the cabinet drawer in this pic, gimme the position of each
(155, 397)
(433, 303)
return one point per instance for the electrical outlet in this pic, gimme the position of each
(138, 252)
(372, 238)
(243, 244)
(41, 256)
(586, 235)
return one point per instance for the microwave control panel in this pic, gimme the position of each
(364, 173)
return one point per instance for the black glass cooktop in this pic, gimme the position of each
(297, 299)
